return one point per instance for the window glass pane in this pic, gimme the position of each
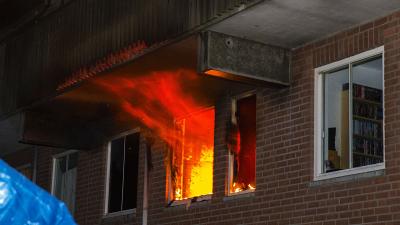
(336, 121)
(65, 179)
(131, 171)
(367, 113)
(60, 169)
(116, 175)
(244, 155)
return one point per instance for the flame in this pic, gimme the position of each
(194, 155)
(251, 187)
(155, 99)
(178, 193)
(239, 187)
(160, 102)
(242, 145)
(236, 188)
(200, 174)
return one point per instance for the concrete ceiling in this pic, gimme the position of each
(292, 23)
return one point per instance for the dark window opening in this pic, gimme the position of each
(124, 153)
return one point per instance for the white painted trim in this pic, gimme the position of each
(318, 110)
(318, 117)
(351, 171)
(107, 180)
(353, 59)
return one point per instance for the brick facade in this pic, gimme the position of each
(285, 191)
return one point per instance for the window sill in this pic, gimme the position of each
(120, 213)
(349, 175)
(239, 195)
(188, 202)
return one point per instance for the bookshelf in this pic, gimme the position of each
(367, 122)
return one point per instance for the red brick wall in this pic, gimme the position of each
(284, 164)
(284, 172)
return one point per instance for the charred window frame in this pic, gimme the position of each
(242, 144)
(354, 144)
(185, 159)
(65, 166)
(122, 173)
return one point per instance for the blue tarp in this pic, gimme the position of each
(24, 203)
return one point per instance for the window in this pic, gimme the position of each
(64, 178)
(192, 156)
(122, 173)
(242, 145)
(349, 110)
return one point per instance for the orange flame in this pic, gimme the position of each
(194, 155)
(159, 99)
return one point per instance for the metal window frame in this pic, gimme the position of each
(54, 161)
(107, 180)
(319, 116)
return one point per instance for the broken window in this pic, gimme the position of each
(242, 145)
(192, 156)
(64, 178)
(123, 173)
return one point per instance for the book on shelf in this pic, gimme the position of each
(367, 124)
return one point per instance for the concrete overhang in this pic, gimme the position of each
(293, 23)
(87, 116)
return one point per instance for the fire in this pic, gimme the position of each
(251, 187)
(194, 155)
(242, 145)
(178, 193)
(160, 102)
(239, 187)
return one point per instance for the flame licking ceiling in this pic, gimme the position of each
(157, 100)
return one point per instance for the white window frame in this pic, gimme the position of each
(230, 155)
(107, 181)
(318, 115)
(53, 176)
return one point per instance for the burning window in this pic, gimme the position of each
(242, 145)
(192, 158)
